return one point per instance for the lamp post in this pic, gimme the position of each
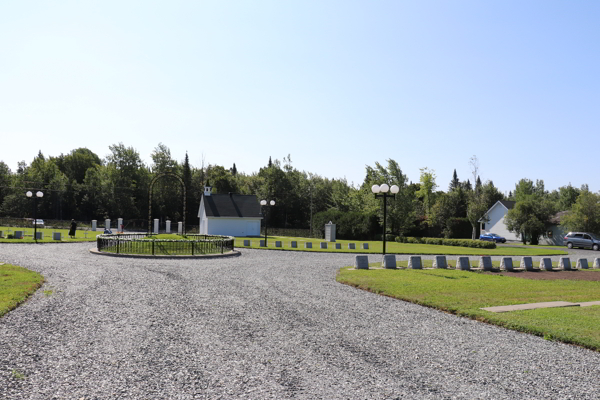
(264, 204)
(383, 189)
(40, 195)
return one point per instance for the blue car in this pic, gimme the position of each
(492, 237)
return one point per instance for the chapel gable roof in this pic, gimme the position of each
(508, 204)
(232, 205)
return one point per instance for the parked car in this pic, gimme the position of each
(584, 240)
(492, 237)
(38, 222)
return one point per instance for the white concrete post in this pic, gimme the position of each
(168, 226)
(120, 223)
(156, 226)
(107, 223)
(94, 224)
(180, 228)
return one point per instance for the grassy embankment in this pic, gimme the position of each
(375, 247)
(16, 284)
(80, 235)
(464, 293)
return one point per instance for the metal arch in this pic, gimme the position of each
(150, 198)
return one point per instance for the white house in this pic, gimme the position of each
(493, 220)
(229, 214)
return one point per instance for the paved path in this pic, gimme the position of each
(266, 325)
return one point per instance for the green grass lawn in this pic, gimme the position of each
(396, 248)
(80, 235)
(464, 293)
(16, 284)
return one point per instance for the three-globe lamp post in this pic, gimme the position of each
(264, 204)
(39, 194)
(382, 191)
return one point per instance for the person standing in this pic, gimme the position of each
(73, 229)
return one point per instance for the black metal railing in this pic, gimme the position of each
(141, 243)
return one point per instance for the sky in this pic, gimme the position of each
(337, 85)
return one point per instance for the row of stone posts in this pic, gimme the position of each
(155, 230)
(485, 263)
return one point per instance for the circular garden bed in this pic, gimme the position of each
(164, 245)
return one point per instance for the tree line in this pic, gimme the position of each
(80, 185)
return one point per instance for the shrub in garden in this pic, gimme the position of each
(448, 242)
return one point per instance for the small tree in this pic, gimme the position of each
(530, 217)
(428, 186)
(584, 215)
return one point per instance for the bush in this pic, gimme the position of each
(448, 242)
(388, 237)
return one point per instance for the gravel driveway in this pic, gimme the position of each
(266, 325)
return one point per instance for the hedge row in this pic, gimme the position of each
(448, 242)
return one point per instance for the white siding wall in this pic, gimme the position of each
(233, 226)
(496, 223)
(557, 236)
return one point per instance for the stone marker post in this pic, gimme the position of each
(180, 228)
(94, 224)
(361, 262)
(156, 226)
(506, 264)
(546, 264)
(330, 232)
(565, 263)
(440, 262)
(389, 261)
(120, 224)
(582, 263)
(527, 263)
(168, 228)
(107, 223)
(485, 263)
(414, 262)
(463, 263)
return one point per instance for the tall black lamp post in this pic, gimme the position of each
(40, 195)
(263, 203)
(384, 189)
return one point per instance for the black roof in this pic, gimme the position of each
(508, 204)
(232, 205)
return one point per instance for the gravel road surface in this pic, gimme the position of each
(265, 325)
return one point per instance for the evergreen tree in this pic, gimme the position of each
(234, 170)
(270, 163)
(467, 186)
(187, 180)
(454, 183)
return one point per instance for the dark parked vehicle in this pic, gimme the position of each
(492, 237)
(582, 239)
